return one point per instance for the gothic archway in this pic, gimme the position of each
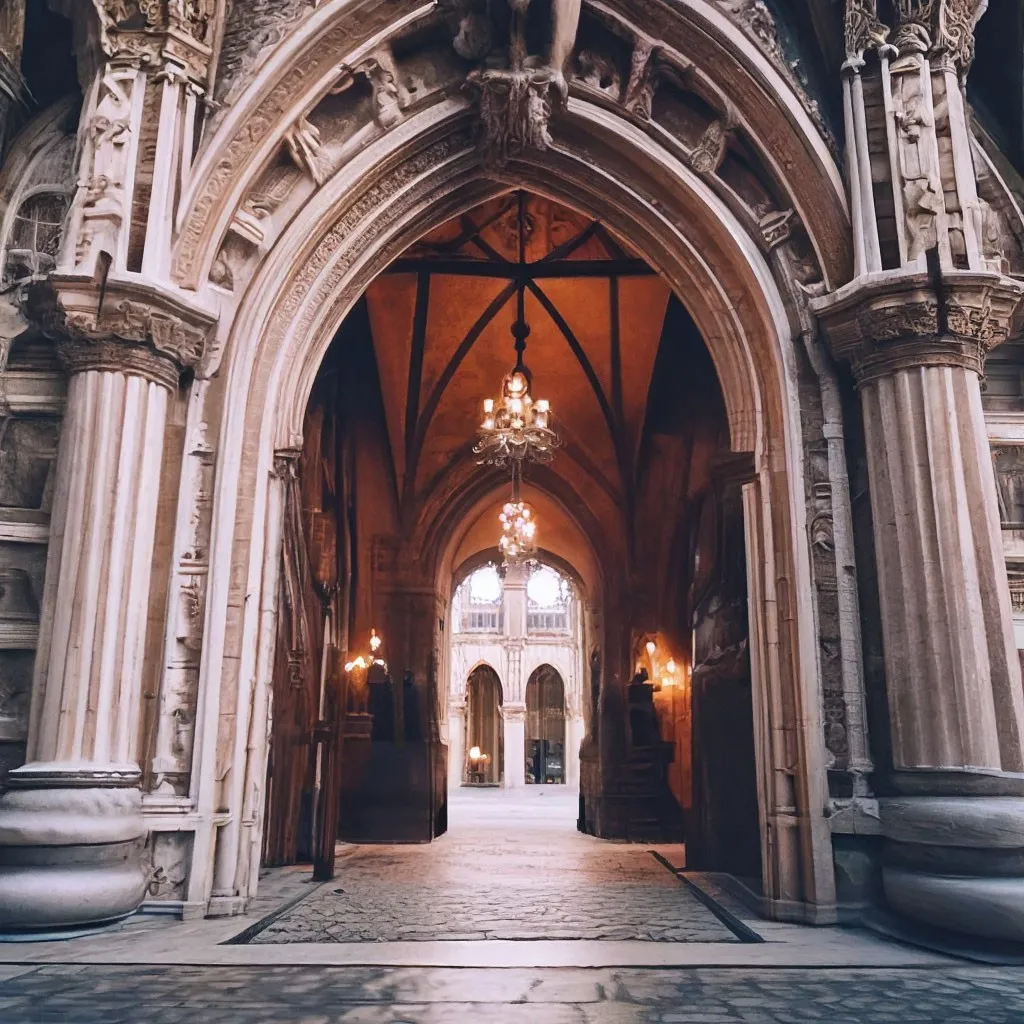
(289, 294)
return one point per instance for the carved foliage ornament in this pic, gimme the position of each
(864, 31)
(153, 31)
(126, 336)
(942, 28)
(517, 91)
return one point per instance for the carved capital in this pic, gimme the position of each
(863, 32)
(125, 329)
(942, 29)
(155, 32)
(901, 321)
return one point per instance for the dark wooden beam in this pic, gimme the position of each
(412, 398)
(530, 272)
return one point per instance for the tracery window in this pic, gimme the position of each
(548, 599)
(35, 235)
(478, 602)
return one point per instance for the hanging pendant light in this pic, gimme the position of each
(516, 426)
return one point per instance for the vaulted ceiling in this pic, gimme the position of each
(441, 321)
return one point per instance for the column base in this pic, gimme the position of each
(956, 863)
(71, 846)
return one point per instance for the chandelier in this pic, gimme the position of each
(518, 541)
(516, 426)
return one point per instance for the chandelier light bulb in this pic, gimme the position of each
(518, 533)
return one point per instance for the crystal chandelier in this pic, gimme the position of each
(516, 426)
(518, 541)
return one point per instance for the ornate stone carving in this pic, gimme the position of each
(707, 156)
(302, 141)
(389, 98)
(943, 29)
(639, 95)
(776, 226)
(864, 31)
(903, 322)
(154, 32)
(125, 334)
(108, 132)
(906, 320)
(252, 27)
(518, 93)
(515, 111)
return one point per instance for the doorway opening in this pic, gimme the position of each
(485, 746)
(617, 663)
(545, 727)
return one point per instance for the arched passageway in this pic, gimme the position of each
(485, 747)
(644, 476)
(545, 727)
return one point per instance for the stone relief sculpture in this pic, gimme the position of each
(102, 195)
(518, 91)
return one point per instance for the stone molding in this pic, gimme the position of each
(74, 775)
(886, 323)
(127, 330)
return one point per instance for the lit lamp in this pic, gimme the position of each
(518, 532)
(478, 762)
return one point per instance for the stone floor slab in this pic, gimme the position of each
(512, 867)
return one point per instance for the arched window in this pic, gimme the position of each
(478, 601)
(548, 599)
(35, 235)
(31, 233)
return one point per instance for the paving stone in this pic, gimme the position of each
(506, 872)
(104, 994)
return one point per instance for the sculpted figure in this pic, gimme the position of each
(565, 23)
(518, 90)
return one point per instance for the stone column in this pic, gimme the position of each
(574, 732)
(514, 718)
(456, 744)
(71, 827)
(954, 822)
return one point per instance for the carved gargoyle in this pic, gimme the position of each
(518, 90)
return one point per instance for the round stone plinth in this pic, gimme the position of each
(956, 862)
(71, 841)
(990, 908)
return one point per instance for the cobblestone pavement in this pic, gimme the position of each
(363, 995)
(512, 866)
